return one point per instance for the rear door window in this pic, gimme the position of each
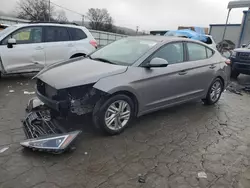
(56, 34)
(196, 51)
(77, 34)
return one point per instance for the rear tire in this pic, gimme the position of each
(234, 74)
(214, 92)
(114, 115)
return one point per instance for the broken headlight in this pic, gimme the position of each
(51, 142)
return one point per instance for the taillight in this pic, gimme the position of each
(93, 43)
(228, 62)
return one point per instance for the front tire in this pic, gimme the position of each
(214, 92)
(115, 114)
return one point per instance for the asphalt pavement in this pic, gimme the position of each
(190, 145)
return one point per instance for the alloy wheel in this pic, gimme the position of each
(215, 91)
(117, 115)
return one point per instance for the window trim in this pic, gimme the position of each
(147, 60)
(25, 27)
(188, 59)
(49, 26)
(213, 52)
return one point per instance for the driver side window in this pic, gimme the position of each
(26, 36)
(173, 53)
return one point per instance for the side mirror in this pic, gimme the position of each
(157, 62)
(243, 45)
(11, 42)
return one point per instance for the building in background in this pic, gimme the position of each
(237, 33)
(232, 32)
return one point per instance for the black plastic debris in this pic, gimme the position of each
(246, 88)
(141, 179)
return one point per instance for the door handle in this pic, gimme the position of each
(212, 66)
(183, 72)
(39, 48)
(70, 45)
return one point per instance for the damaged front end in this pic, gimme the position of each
(43, 132)
(41, 127)
(83, 99)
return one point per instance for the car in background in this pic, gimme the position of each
(240, 59)
(210, 41)
(32, 46)
(3, 26)
(132, 77)
(188, 33)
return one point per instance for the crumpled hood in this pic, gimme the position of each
(242, 50)
(78, 72)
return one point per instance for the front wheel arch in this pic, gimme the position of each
(132, 96)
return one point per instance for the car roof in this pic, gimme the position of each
(163, 38)
(49, 24)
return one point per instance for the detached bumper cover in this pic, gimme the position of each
(44, 133)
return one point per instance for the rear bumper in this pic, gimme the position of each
(240, 66)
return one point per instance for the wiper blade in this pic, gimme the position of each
(103, 60)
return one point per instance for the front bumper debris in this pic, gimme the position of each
(43, 132)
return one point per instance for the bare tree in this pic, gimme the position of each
(35, 10)
(61, 16)
(100, 19)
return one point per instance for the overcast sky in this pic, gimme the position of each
(150, 14)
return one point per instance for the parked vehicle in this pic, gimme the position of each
(210, 41)
(30, 47)
(3, 26)
(188, 33)
(132, 77)
(240, 59)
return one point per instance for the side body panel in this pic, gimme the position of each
(155, 88)
(23, 57)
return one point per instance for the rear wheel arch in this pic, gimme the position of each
(222, 80)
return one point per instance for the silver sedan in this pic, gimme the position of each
(132, 77)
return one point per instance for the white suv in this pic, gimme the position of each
(30, 47)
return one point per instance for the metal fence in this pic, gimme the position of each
(11, 21)
(103, 38)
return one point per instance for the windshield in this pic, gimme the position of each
(7, 30)
(124, 52)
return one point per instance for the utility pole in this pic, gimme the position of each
(82, 20)
(49, 10)
(137, 28)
